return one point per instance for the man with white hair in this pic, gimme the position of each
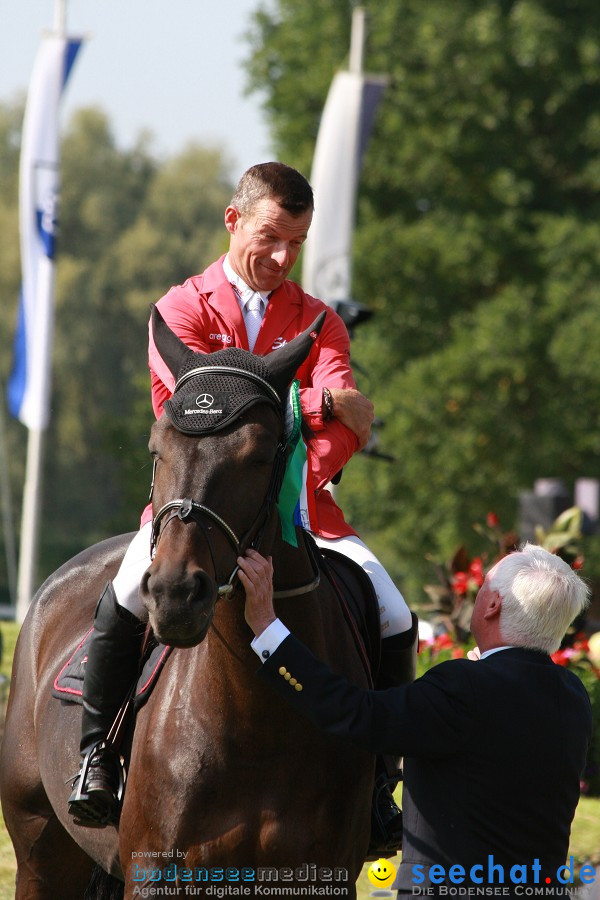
(493, 749)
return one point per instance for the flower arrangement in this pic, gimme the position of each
(451, 602)
(582, 656)
(453, 596)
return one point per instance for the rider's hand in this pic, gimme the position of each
(256, 575)
(355, 411)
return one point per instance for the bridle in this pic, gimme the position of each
(190, 510)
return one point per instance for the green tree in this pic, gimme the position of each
(130, 227)
(476, 246)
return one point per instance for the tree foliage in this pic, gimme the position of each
(130, 227)
(476, 246)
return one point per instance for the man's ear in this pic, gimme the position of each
(232, 217)
(494, 606)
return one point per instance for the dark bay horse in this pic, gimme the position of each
(222, 777)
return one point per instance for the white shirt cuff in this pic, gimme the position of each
(268, 642)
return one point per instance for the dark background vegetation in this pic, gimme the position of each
(477, 248)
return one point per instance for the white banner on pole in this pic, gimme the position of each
(343, 134)
(29, 385)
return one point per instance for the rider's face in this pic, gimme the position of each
(265, 244)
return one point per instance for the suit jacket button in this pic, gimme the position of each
(282, 670)
(298, 687)
(293, 682)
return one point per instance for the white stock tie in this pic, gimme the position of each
(253, 318)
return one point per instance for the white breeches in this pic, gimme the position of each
(135, 562)
(394, 614)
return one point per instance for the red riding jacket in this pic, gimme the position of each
(205, 314)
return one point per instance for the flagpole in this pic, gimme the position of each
(30, 523)
(32, 490)
(60, 7)
(357, 40)
(7, 515)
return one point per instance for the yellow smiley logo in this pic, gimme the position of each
(381, 873)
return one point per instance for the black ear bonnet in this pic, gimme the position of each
(210, 397)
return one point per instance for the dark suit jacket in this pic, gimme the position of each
(493, 753)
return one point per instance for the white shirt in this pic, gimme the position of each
(242, 291)
(268, 642)
(496, 650)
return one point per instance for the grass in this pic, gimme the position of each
(585, 834)
(9, 632)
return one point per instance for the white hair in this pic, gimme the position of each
(541, 596)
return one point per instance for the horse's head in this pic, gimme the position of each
(219, 454)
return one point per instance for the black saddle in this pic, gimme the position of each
(359, 604)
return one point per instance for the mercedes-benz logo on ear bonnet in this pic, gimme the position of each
(204, 400)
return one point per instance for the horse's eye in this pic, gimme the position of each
(262, 460)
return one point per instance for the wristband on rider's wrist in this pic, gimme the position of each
(327, 405)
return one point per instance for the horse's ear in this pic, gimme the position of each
(284, 363)
(172, 350)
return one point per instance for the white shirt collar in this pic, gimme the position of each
(244, 292)
(496, 650)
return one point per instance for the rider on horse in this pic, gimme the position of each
(245, 300)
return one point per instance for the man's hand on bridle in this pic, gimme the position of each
(256, 575)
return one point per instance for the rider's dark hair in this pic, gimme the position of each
(273, 181)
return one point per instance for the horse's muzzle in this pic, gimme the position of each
(180, 605)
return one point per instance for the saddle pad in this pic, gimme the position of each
(359, 602)
(68, 683)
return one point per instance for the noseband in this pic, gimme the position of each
(185, 510)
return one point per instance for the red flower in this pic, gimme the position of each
(443, 641)
(476, 571)
(577, 562)
(492, 520)
(458, 653)
(560, 658)
(460, 582)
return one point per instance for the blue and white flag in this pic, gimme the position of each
(29, 384)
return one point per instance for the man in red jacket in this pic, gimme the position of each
(245, 300)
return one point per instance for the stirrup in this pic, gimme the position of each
(96, 809)
(384, 844)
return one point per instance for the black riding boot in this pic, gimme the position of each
(398, 666)
(111, 668)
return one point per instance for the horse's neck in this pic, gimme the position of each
(293, 567)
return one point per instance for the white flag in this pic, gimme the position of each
(343, 134)
(29, 385)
